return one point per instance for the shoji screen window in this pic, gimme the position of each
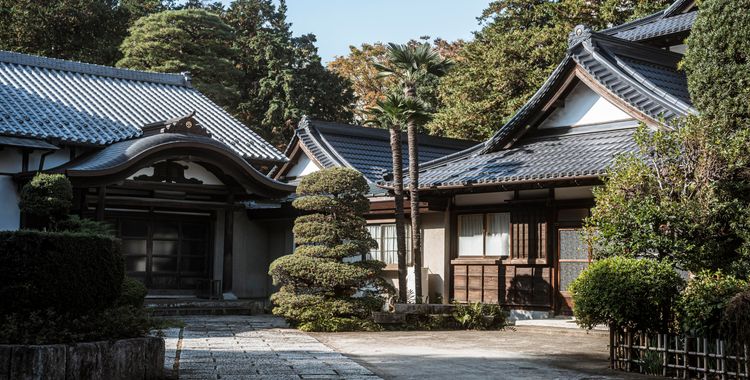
(484, 234)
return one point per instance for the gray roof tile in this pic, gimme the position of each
(655, 28)
(565, 156)
(367, 150)
(82, 103)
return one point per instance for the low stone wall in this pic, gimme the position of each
(137, 358)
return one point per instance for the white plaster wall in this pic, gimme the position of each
(578, 192)
(682, 48)
(10, 215)
(583, 106)
(303, 167)
(194, 170)
(10, 160)
(433, 237)
(483, 198)
(52, 160)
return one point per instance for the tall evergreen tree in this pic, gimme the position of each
(192, 40)
(83, 30)
(282, 76)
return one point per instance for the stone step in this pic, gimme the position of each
(172, 307)
(171, 312)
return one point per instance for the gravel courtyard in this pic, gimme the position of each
(263, 347)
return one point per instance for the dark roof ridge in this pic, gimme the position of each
(637, 22)
(359, 130)
(93, 69)
(638, 50)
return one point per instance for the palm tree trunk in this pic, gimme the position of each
(398, 190)
(416, 230)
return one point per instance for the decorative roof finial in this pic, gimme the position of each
(304, 122)
(579, 34)
(187, 78)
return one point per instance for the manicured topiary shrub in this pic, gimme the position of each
(626, 293)
(700, 307)
(67, 272)
(133, 293)
(735, 325)
(718, 61)
(319, 291)
(46, 199)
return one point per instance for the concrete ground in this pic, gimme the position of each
(252, 347)
(527, 353)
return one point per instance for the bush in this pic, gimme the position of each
(626, 293)
(318, 290)
(67, 272)
(718, 61)
(51, 327)
(46, 199)
(74, 223)
(480, 316)
(133, 293)
(700, 307)
(735, 325)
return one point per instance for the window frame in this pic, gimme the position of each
(485, 228)
(381, 247)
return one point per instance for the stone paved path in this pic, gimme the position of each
(252, 347)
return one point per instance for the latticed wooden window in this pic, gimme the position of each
(528, 235)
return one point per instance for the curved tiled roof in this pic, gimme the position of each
(81, 103)
(121, 155)
(368, 150)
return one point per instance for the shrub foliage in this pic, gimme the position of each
(67, 272)
(46, 199)
(735, 324)
(718, 61)
(700, 307)
(626, 293)
(319, 290)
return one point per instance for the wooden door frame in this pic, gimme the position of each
(562, 297)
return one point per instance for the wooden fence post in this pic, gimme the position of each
(612, 346)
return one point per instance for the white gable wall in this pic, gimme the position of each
(583, 106)
(303, 167)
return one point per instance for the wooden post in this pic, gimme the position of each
(611, 346)
(228, 244)
(102, 193)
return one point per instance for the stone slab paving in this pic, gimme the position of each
(252, 347)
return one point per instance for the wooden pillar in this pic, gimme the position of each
(228, 244)
(102, 193)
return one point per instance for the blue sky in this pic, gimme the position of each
(340, 23)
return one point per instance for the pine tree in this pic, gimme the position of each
(321, 289)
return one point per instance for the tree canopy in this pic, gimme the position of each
(282, 77)
(518, 47)
(188, 40)
(359, 68)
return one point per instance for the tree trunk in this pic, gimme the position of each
(398, 190)
(416, 230)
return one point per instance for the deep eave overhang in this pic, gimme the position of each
(119, 160)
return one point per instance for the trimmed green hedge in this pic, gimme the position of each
(67, 272)
(624, 292)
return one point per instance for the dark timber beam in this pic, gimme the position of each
(228, 245)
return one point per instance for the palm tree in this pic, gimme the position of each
(410, 64)
(393, 112)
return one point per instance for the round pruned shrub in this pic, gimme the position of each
(627, 293)
(63, 271)
(133, 293)
(700, 308)
(321, 289)
(46, 199)
(735, 324)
